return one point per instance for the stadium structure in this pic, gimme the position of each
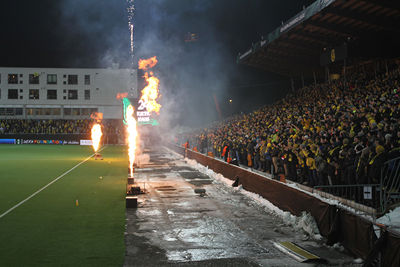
(328, 38)
(64, 93)
(58, 204)
(324, 42)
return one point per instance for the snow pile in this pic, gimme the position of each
(391, 219)
(305, 222)
(333, 202)
(338, 246)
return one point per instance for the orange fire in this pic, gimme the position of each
(145, 64)
(150, 93)
(98, 116)
(121, 95)
(132, 135)
(96, 136)
(96, 130)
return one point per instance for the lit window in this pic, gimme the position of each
(51, 78)
(12, 78)
(73, 94)
(56, 111)
(34, 78)
(33, 93)
(85, 111)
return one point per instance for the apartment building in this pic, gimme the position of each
(64, 93)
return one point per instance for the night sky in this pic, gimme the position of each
(94, 33)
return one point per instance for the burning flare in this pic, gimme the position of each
(96, 136)
(121, 95)
(97, 116)
(145, 64)
(150, 93)
(132, 134)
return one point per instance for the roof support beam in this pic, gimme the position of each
(318, 38)
(292, 53)
(385, 3)
(299, 45)
(337, 29)
(367, 20)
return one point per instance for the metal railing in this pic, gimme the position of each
(377, 196)
(364, 194)
(390, 184)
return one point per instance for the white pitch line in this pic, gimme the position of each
(44, 187)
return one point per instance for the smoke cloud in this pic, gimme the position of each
(191, 70)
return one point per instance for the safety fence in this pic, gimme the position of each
(364, 194)
(390, 184)
(377, 196)
(337, 224)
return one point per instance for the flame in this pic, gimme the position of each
(150, 93)
(145, 64)
(121, 95)
(98, 116)
(96, 136)
(132, 135)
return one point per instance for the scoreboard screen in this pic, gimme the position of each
(142, 116)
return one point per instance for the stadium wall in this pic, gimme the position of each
(335, 223)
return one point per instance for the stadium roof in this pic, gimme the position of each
(296, 46)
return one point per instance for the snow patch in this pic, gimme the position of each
(338, 246)
(304, 222)
(391, 219)
(333, 202)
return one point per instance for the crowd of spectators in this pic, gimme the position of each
(56, 126)
(339, 132)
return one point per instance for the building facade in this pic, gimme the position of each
(63, 93)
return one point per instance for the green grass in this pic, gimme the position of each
(49, 229)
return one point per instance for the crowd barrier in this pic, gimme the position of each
(354, 232)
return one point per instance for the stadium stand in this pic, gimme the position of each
(57, 129)
(56, 126)
(328, 33)
(343, 138)
(337, 131)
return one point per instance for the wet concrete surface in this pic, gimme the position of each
(174, 226)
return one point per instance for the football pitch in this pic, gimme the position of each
(78, 220)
